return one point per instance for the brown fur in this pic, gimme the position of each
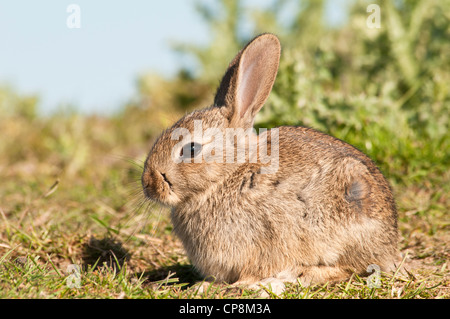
(327, 211)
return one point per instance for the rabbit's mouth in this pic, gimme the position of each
(158, 187)
(166, 180)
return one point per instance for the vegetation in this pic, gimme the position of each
(70, 183)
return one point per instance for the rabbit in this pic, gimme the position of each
(323, 212)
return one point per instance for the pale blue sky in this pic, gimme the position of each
(94, 67)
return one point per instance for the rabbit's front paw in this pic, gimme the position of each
(269, 286)
(322, 274)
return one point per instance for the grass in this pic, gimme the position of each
(55, 213)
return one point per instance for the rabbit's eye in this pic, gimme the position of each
(191, 150)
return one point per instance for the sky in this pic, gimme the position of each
(94, 67)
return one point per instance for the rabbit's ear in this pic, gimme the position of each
(248, 81)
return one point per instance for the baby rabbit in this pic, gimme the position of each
(285, 204)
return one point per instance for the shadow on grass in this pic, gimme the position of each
(107, 252)
(172, 275)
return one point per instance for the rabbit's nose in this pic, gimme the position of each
(155, 184)
(147, 183)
